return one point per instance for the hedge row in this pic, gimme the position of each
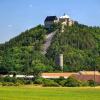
(69, 82)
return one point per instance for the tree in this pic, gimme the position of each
(38, 68)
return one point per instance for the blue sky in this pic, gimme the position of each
(17, 16)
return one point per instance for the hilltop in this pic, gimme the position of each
(79, 44)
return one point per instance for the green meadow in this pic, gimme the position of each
(46, 93)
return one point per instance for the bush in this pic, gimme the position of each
(0, 83)
(20, 81)
(84, 84)
(10, 84)
(7, 84)
(17, 84)
(71, 82)
(27, 82)
(9, 79)
(50, 83)
(91, 83)
(38, 80)
(62, 83)
(59, 80)
(1, 79)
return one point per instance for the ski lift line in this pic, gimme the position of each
(48, 42)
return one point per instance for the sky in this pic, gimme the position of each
(17, 16)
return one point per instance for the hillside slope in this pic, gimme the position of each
(48, 41)
(79, 44)
(22, 52)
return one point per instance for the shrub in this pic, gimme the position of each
(28, 82)
(50, 83)
(17, 84)
(9, 79)
(84, 83)
(1, 79)
(38, 80)
(59, 80)
(7, 84)
(0, 83)
(91, 83)
(62, 83)
(72, 82)
(20, 81)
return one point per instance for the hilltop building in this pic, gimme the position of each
(65, 20)
(50, 20)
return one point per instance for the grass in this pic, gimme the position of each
(41, 93)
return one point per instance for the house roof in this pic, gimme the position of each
(88, 77)
(89, 72)
(56, 75)
(51, 18)
(79, 75)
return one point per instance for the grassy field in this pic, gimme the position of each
(40, 93)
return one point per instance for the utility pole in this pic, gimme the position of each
(94, 75)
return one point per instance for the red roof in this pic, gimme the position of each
(56, 75)
(80, 77)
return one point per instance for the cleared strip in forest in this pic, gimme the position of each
(48, 42)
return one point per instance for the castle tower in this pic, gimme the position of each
(61, 61)
(64, 21)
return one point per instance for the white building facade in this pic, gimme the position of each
(65, 20)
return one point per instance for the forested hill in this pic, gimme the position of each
(23, 52)
(80, 45)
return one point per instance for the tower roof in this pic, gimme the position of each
(51, 18)
(65, 16)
